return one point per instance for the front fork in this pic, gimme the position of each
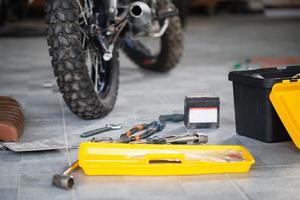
(112, 9)
(114, 27)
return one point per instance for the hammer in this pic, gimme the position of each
(65, 180)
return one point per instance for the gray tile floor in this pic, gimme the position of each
(212, 47)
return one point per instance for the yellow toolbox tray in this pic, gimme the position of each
(158, 160)
(285, 97)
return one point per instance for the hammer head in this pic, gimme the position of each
(63, 181)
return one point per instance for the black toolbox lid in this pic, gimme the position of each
(270, 76)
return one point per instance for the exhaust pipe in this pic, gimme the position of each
(140, 15)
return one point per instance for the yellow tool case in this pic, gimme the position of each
(159, 160)
(285, 97)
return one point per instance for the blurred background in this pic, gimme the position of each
(25, 14)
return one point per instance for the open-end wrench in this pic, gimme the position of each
(108, 127)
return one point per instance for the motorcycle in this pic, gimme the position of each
(85, 37)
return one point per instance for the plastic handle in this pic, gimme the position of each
(171, 118)
(165, 158)
(165, 161)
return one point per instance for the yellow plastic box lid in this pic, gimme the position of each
(160, 160)
(285, 97)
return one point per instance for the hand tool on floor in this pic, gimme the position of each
(187, 138)
(296, 75)
(103, 140)
(179, 139)
(171, 118)
(149, 130)
(65, 180)
(108, 127)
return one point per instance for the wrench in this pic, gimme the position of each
(179, 139)
(188, 138)
(108, 127)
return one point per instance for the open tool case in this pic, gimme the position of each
(255, 115)
(285, 97)
(155, 160)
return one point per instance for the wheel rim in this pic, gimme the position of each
(99, 70)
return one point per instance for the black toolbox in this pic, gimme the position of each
(255, 116)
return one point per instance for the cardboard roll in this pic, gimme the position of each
(12, 116)
(11, 119)
(8, 133)
(8, 99)
(12, 109)
(12, 125)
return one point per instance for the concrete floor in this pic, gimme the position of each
(212, 47)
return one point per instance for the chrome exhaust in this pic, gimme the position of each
(140, 16)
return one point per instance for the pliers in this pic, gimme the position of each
(149, 130)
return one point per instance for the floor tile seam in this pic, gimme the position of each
(66, 137)
(19, 178)
(241, 192)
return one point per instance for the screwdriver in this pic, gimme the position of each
(171, 118)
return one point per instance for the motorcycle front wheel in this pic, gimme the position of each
(89, 84)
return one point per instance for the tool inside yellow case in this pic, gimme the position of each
(155, 160)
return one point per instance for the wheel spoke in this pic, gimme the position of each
(83, 42)
(93, 56)
(86, 6)
(82, 12)
(84, 33)
(96, 73)
(89, 7)
(88, 62)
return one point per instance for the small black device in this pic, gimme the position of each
(201, 112)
